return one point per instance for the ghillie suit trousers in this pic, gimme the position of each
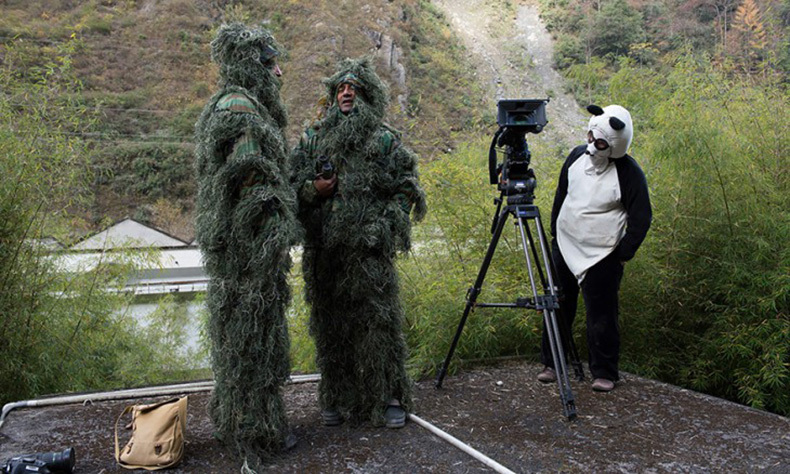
(244, 227)
(356, 322)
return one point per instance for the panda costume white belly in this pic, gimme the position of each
(592, 219)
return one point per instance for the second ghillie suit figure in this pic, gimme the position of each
(245, 223)
(354, 225)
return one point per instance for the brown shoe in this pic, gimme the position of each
(602, 385)
(547, 376)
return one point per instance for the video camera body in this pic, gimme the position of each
(516, 118)
(41, 463)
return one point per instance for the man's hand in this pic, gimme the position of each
(325, 187)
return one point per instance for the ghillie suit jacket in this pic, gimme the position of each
(351, 240)
(245, 226)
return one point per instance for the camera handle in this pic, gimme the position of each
(493, 169)
(547, 302)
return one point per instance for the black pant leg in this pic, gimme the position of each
(600, 289)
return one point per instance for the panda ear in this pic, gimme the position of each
(595, 110)
(616, 123)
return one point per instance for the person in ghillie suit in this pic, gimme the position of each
(356, 187)
(245, 226)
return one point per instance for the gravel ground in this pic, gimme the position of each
(502, 411)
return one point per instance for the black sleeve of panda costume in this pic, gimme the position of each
(562, 186)
(635, 199)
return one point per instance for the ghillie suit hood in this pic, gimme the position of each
(370, 159)
(351, 239)
(348, 133)
(361, 74)
(245, 226)
(242, 54)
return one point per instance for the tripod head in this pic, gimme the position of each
(513, 177)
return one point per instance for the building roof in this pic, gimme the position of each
(50, 244)
(128, 233)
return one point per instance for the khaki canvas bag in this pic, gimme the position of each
(157, 438)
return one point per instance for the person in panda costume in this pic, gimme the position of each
(601, 215)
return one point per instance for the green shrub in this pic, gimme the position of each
(713, 287)
(159, 353)
(148, 171)
(449, 250)
(60, 330)
(568, 50)
(302, 345)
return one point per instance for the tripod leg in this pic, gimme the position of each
(567, 341)
(565, 331)
(548, 304)
(471, 298)
(567, 337)
(558, 356)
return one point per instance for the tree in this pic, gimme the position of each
(750, 38)
(616, 27)
(58, 331)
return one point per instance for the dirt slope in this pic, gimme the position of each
(513, 54)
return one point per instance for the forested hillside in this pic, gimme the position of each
(748, 36)
(144, 74)
(708, 83)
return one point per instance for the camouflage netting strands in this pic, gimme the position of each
(350, 242)
(245, 226)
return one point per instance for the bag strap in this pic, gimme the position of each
(117, 450)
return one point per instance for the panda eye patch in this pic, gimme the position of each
(599, 143)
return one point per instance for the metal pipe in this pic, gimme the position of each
(190, 387)
(194, 387)
(461, 445)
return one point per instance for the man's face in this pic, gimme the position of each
(269, 60)
(345, 97)
(275, 68)
(597, 145)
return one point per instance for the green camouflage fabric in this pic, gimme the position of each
(245, 226)
(350, 242)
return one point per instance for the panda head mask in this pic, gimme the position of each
(609, 133)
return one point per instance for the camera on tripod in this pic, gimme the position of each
(516, 118)
(41, 463)
(516, 180)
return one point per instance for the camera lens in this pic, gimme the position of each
(59, 462)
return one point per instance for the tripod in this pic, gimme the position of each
(521, 207)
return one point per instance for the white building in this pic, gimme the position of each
(177, 268)
(165, 265)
